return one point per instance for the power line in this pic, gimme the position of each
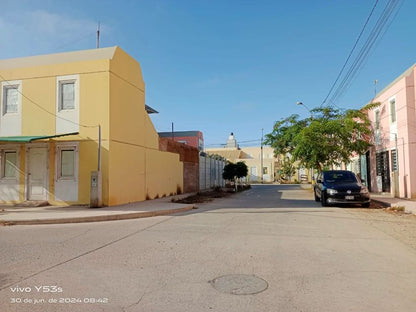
(352, 50)
(238, 142)
(44, 109)
(361, 57)
(378, 30)
(257, 140)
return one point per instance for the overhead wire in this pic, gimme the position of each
(238, 142)
(41, 107)
(44, 109)
(378, 29)
(366, 48)
(351, 52)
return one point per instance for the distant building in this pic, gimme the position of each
(232, 142)
(260, 164)
(191, 138)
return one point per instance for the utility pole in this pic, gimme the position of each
(310, 112)
(98, 36)
(99, 148)
(261, 155)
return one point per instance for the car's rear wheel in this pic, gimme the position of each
(324, 202)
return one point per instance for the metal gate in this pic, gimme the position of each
(383, 171)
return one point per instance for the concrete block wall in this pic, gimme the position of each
(210, 172)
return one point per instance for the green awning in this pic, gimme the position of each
(30, 138)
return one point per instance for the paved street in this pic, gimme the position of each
(273, 242)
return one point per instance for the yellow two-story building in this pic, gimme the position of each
(64, 116)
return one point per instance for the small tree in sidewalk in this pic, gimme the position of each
(241, 169)
(232, 172)
(229, 172)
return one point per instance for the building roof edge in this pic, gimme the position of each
(406, 73)
(59, 58)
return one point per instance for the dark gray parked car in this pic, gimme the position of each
(340, 187)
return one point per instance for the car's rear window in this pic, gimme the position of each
(339, 177)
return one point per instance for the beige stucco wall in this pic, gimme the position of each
(137, 169)
(164, 174)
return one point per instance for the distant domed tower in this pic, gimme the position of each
(231, 142)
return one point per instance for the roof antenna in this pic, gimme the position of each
(98, 35)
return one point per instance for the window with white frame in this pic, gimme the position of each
(394, 161)
(10, 99)
(66, 95)
(393, 111)
(11, 108)
(377, 119)
(67, 104)
(67, 162)
(9, 164)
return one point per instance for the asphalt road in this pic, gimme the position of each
(271, 248)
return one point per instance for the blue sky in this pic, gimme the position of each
(224, 66)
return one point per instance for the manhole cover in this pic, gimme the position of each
(239, 284)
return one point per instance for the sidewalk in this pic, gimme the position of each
(10, 215)
(389, 201)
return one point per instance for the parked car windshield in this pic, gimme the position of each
(339, 177)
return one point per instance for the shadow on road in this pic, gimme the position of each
(268, 199)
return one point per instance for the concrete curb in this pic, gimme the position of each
(116, 217)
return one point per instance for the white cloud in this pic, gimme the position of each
(40, 31)
(52, 24)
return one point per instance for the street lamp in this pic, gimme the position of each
(300, 103)
(261, 156)
(310, 112)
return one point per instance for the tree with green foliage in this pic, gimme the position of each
(232, 172)
(229, 171)
(241, 169)
(329, 137)
(288, 168)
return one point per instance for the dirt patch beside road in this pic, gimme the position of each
(399, 225)
(203, 197)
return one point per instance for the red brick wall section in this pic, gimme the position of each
(191, 141)
(190, 177)
(190, 157)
